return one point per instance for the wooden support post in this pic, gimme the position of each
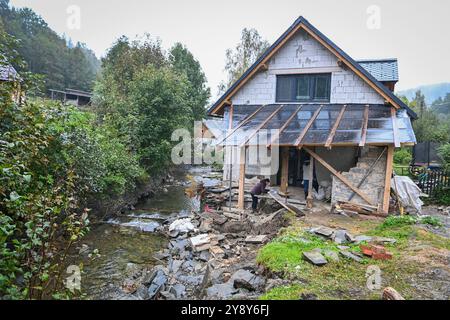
(362, 143)
(284, 169)
(387, 180)
(310, 198)
(241, 203)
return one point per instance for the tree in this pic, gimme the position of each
(418, 104)
(247, 51)
(184, 62)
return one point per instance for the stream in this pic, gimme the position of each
(114, 246)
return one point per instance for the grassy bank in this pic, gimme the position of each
(346, 279)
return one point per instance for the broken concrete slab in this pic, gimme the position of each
(315, 257)
(178, 290)
(256, 239)
(350, 255)
(157, 284)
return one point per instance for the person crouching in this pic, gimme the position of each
(258, 189)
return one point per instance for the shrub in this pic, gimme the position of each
(402, 156)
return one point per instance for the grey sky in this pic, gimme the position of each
(415, 31)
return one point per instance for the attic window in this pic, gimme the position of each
(304, 88)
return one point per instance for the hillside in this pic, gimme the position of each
(432, 92)
(45, 52)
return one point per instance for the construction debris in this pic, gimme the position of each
(256, 239)
(391, 294)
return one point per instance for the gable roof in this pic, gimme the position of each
(302, 23)
(382, 69)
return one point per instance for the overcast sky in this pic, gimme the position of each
(414, 31)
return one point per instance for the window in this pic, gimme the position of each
(303, 87)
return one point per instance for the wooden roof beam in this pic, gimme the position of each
(362, 143)
(277, 135)
(308, 125)
(335, 126)
(262, 125)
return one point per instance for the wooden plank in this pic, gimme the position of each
(230, 122)
(245, 121)
(335, 126)
(362, 143)
(395, 128)
(284, 169)
(262, 125)
(387, 179)
(274, 138)
(310, 198)
(241, 202)
(281, 203)
(339, 176)
(308, 125)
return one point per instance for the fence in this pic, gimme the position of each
(433, 180)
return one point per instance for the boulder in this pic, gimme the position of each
(181, 226)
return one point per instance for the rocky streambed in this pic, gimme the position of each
(170, 246)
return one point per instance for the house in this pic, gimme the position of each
(76, 97)
(9, 75)
(306, 99)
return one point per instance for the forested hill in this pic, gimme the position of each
(45, 52)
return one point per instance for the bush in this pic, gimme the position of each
(402, 156)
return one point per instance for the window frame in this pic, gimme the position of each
(312, 79)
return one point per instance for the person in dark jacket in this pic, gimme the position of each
(258, 189)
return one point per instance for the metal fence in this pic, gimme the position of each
(432, 181)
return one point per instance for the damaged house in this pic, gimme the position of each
(306, 100)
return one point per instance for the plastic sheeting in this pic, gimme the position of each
(408, 193)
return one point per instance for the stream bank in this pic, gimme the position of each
(139, 255)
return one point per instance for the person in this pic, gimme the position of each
(306, 177)
(258, 189)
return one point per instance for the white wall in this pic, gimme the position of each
(303, 54)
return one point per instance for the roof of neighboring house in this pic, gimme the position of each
(8, 73)
(301, 22)
(382, 69)
(320, 125)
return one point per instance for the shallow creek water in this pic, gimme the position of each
(132, 237)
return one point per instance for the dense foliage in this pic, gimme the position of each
(56, 159)
(62, 64)
(146, 95)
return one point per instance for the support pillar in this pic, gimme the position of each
(284, 170)
(387, 180)
(241, 203)
(310, 198)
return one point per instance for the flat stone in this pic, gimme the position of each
(340, 236)
(324, 231)
(200, 242)
(331, 255)
(384, 240)
(178, 290)
(315, 258)
(175, 265)
(362, 238)
(157, 284)
(349, 237)
(256, 239)
(204, 256)
(247, 280)
(350, 255)
(221, 291)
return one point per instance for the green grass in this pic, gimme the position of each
(345, 279)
